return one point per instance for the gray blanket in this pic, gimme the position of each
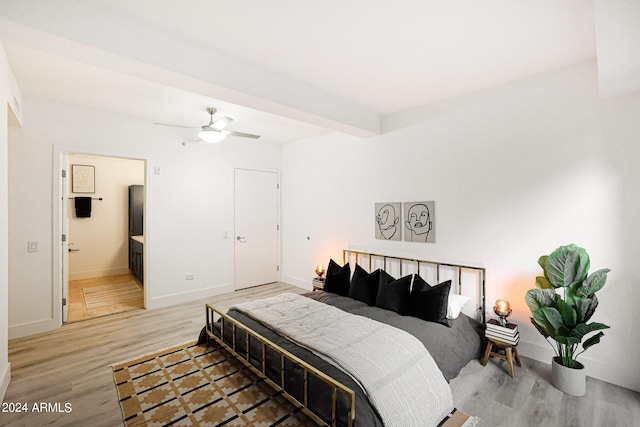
(401, 378)
(452, 348)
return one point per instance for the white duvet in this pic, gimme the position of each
(397, 373)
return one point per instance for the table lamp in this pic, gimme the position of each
(503, 310)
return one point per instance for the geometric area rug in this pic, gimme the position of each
(190, 385)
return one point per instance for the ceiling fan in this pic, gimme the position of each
(215, 130)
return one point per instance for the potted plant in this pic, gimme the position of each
(562, 303)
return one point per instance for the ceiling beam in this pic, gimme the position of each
(113, 43)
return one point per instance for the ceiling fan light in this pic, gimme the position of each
(211, 136)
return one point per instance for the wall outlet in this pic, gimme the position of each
(189, 276)
(32, 246)
(225, 235)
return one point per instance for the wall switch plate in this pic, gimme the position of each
(189, 276)
(225, 235)
(32, 246)
(156, 170)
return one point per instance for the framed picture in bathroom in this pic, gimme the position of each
(83, 179)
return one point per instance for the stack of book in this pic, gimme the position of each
(508, 334)
(318, 283)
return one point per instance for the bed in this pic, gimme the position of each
(324, 385)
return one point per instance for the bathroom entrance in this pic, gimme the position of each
(104, 251)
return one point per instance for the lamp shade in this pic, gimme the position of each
(211, 136)
(502, 308)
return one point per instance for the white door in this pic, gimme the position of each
(257, 252)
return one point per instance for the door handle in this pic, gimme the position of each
(73, 250)
(241, 239)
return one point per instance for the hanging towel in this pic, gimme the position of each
(83, 207)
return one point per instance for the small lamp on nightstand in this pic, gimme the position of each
(320, 271)
(503, 310)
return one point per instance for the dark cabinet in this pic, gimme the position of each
(135, 258)
(136, 230)
(136, 209)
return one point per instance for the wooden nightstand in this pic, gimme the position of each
(495, 349)
(318, 284)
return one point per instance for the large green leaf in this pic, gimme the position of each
(543, 283)
(566, 339)
(540, 329)
(553, 317)
(542, 261)
(568, 313)
(582, 306)
(593, 340)
(567, 266)
(585, 308)
(538, 298)
(583, 329)
(593, 283)
(543, 324)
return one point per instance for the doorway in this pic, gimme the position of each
(257, 228)
(99, 280)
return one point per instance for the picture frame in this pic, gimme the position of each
(420, 222)
(388, 224)
(83, 179)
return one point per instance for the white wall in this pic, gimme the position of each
(617, 40)
(10, 102)
(189, 204)
(103, 239)
(515, 172)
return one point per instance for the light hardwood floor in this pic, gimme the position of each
(529, 399)
(78, 309)
(72, 364)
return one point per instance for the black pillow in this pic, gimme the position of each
(358, 289)
(394, 295)
(364, 286)
(337, 280)
(419, 284)
(429, 302)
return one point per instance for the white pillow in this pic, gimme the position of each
(456, 302)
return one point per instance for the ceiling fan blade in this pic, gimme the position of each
(221, 123)
(242, 134)
(175, 126)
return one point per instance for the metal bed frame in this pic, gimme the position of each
(261, 370)
(241, 349)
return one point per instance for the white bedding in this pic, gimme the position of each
(394, 369)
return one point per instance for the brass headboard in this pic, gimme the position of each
(400, 263)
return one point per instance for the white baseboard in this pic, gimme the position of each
(301, 283)
(5, 379)
(92, 274)
(594, 368)
(32, 328)
(169, 300)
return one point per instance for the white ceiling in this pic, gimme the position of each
(285, 69)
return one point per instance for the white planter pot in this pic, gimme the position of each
(572, 381)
